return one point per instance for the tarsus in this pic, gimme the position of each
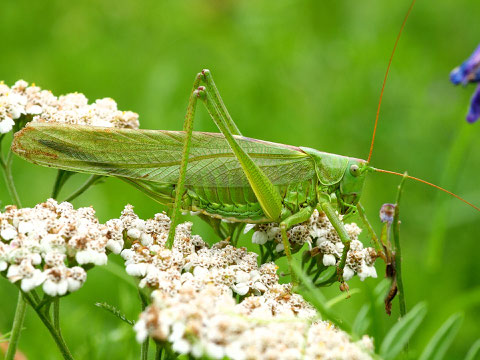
(428, 183)
(386, 76)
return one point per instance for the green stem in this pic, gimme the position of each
(56, 314)
(57, 337)
(313, 262)
(17, 327)
(91, 180)
(398, 251)
(158, 351)
(60, 180)
(21, 304)
(144, 348)
(9, 180)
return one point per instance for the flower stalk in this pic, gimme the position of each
(398, 250)
(21, 304)
(17, 327)
(46, 320)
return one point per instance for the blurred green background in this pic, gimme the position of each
(297, 72)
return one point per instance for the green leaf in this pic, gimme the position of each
(317, 299)
(474, 351)
(402, 331)
(440, 342)
(362, 321)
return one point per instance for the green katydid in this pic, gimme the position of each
(222, 176)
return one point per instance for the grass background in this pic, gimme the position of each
(297, 72)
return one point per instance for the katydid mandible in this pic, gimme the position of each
(221, 176)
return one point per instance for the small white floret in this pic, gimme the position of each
(259, 237)
(137, 269)
(73, 284)
(140, 328)
(134, 233)
(347, 273)
(8, 233)
(34, 110)
(329, 260)
(181, 346)
(24, 227)
(241, 288)
(114, 246)
(6, 125)
(54, 288)
(279, 247)
(37, 278)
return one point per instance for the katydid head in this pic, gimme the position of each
(351, 185)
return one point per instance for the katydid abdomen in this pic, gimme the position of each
(240, 204)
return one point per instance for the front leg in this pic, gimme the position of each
(179, 190)
(325, 205)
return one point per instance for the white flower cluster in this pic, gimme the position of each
(48, 245)
(209, 323)
(323, 240)
(42, 105)
(190, 261)
(193, 307)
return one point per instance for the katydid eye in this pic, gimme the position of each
(354, 170)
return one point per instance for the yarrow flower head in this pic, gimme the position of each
(209, 323)
(30, 103)
(50, 245)
(469, 72)
(323, 241)
(193, 307)
(190, 261)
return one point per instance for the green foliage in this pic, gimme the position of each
(398, 337)
(474, 351)
(440, 342)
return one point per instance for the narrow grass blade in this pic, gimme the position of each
(317, 299)
(380, 291)
(362, 321)
(441, 341)
(474, 351)
(339, 298)
(402, 331)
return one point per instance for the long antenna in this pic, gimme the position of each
(386, 76)
(430, 184)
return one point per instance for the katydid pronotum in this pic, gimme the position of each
(222, 176)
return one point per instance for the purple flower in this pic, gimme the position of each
(469, 72)
(474, 111)
(387, 211)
